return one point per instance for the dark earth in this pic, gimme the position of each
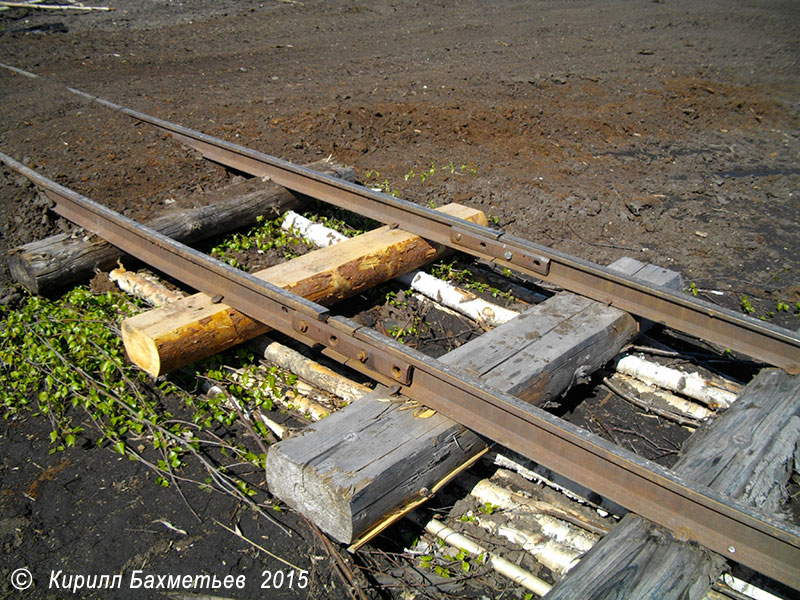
(666, 131)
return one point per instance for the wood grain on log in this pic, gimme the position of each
(747, 453)
(166, 338)
(362, 465)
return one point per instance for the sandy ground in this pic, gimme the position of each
(667, 131)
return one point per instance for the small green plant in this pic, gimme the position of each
(747, 306)
(782, 307)
(265, 236)
(393, 298)
(693, 288)
(401, 333)
(488, 508)
(462, 561)
(463, 558)
(373, 177)
(427, 562)
(345, 222)
(382, 186)
(450, 167)
(463, 276)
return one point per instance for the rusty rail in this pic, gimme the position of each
(704, 320)
(707, 321)
(691, 511)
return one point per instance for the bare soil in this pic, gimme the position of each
(666, 131)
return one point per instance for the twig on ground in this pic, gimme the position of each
(38, 6)
(647, 407)
(239, 534)
(341, 567)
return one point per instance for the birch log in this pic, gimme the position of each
(748, 454)
(310, 370)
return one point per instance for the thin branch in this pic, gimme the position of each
(239, 534)
(36, 5)
(648, 407)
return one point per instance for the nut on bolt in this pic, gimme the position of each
(302, 327)
(363, 356)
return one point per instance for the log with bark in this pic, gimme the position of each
(748, 454)
(48, 265)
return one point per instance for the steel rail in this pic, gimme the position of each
(755, 338)
(762, 341)
(692, 511)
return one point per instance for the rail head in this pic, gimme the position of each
(726, 328)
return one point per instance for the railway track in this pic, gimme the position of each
(692, 511)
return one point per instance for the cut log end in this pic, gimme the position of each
(288, 480)
(141, 349)
(194, 324)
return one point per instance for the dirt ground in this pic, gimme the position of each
(664, 130)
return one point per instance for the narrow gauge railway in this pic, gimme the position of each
(692, 511)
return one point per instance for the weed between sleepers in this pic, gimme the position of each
(457, 271)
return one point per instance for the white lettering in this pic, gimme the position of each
(136, 582)
(54, 580)
(302, 580)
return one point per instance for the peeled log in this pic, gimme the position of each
(164, 339)
(50, 264)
